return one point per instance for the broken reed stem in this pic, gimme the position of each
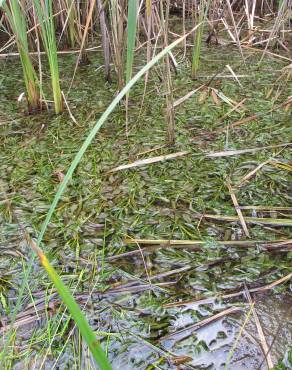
(188, 330)
(238, 210)
(263, 341)
(161, 158)
(170, 243)
(252, 173)
(231, 352)
(252, 220)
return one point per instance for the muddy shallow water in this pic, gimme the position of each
(211, 347)
(274, 312)
(134, 318)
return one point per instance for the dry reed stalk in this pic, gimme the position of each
(238, 211)
(196, 245)
(173, 243)
(227, 153)
(82, 46)
(160, 158)
(263, 341)
(143, 162)
(190, 329)
(253, 220)
(240, 104)
(104, 39)
(250, 174)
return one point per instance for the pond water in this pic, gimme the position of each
(134, 303)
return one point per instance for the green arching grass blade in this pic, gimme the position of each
(98, 125)
(79, 318)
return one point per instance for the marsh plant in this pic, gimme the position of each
(16, 16)
(44, 11)
(114, 24)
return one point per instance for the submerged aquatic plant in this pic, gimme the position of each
(175, 193)
(17, 21)
(63, 291)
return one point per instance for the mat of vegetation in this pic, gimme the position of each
(156, 255)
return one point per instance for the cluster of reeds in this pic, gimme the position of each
(15, 15)
(46, 25)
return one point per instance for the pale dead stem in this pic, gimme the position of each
(250, 174)
(152, 150)
(228, 153)
(234, 75)
(238, 210)
(263, 341)
(252, 220)
(51, 303)
(161, 158)
(88, 20)
(60, 52)
(234, 346)
(187, 96)
(267, 208)
(145, 265)
(172, 243)
(267, 52)
(69, 110)
(143, 162)
(186, 332)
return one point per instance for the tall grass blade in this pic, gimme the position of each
(131, 37)
(203, 10)
(169, 114)
(44, 12)
(16, 19)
